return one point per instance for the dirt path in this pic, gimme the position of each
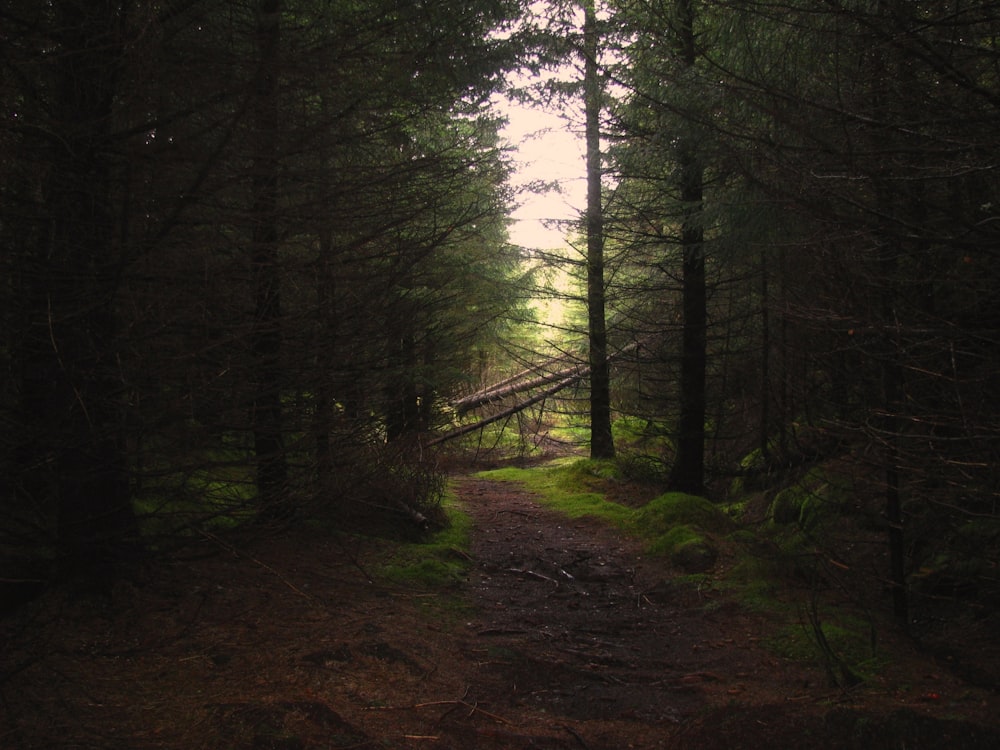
(584, 629)
(562, 637)
(579, 635)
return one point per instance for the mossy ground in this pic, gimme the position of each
(306, 639)
(770, 569)
(441, 560)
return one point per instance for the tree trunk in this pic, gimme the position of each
(688, 473)
(74, 457)
(272, 469)
(325, 363)
(402, 407)
(601, 442)
(893, 397)
(764, 434)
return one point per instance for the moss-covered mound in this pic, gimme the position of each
(683, 528)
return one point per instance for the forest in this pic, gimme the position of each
(257, 273)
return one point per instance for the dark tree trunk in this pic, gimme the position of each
(688, 473)
(73, 456)
(764, 434)
(325, 363)
(272, 469)
(601, 442)
(893, 396)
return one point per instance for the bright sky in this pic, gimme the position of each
(545, 150)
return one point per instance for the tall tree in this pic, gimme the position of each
(660, 157)
(72, 459)
(601, 441)
(164, 204)
(688, 473)
(266, 407)
(871, 121)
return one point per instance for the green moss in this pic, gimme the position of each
(742, 536)
(675, 524)
(678, 509)
(809, 503)
(675, 537)
(440, 561)
(753, 581)
(849, 640)
(571, 487)
(586, 470)
(632, 429)
(575, 433)
(751, 463)
(643, 435)
(501, 442)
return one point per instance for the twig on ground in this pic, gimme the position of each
(532, 574)
(454, 704)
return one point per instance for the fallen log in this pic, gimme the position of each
(466, 429)
(518, 384)
(566, 377)
(514, 385)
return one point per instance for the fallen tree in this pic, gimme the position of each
(529, 379)
(519, 383)
(520, 406)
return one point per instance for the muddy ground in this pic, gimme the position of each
(562, 636)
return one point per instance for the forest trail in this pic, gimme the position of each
(575, 626)
(593, 632)
(562, 636)
(578, 631)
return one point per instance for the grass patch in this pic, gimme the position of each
(848, 639)
(675, 525)
(753, 583)
(570, 486)
(498, 440)
(194, 481)
(674, 509)
(437, 562)
(812, 501)
(674, 539)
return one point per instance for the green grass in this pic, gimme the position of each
(440, 561)
(495, 438)
(210, 484)
(569, 486)
(673, 509)
(674, 539)
(575, 487)
(848, 636)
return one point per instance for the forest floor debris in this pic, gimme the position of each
(563, 636)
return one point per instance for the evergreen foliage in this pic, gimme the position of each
(245, 246)
(849, 241)
(252, 250)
